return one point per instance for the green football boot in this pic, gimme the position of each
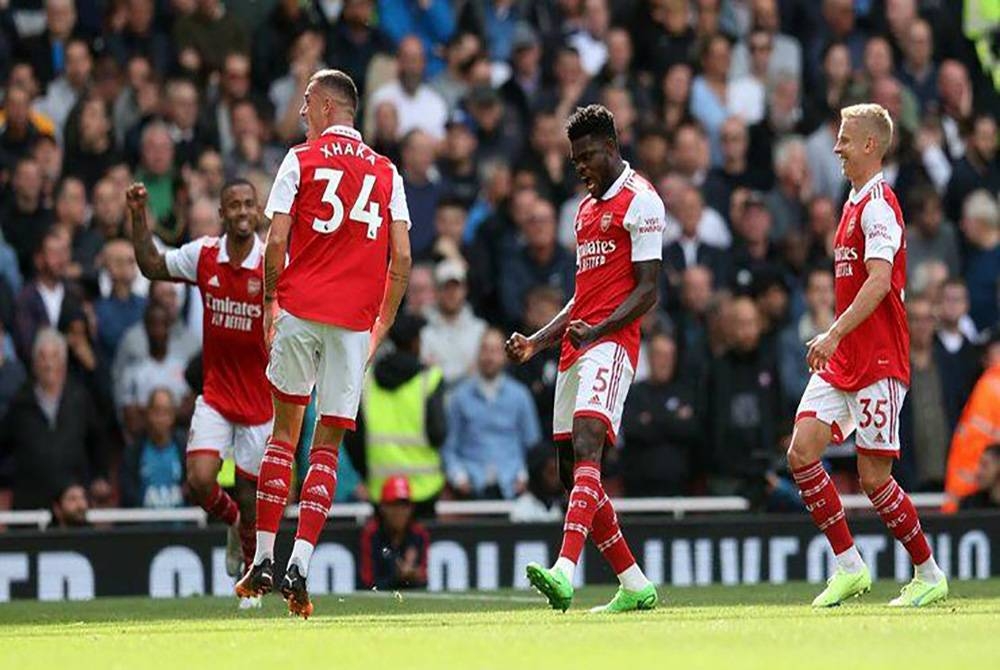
(843, 585)
(919, 593)
(552, 584)
(630, 601)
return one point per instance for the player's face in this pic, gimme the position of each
(852, 145)
(591, 158)
(312, 111)
(239, 211)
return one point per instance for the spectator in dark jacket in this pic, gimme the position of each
(979, 168)
(49, 300)
(981, 226)
(393, 544)
(744, 415)
(53, 431)
(661, 427)
(538, 261)
(24, 216)
(47, 51)
(956, 355)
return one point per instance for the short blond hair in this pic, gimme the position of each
(878, 120)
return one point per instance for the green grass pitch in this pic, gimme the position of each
(703, 627)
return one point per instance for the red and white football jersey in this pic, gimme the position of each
(233, 355)
(341, 196)
(622, 227)
(871, 226)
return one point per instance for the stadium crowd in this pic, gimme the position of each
(729, 107)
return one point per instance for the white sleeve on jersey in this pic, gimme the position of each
(398, 209)
(183, 263)
(286, 185)
(645, 220)
(883, 234)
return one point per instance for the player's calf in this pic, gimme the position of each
(201, 479)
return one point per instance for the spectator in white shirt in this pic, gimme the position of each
(418, 105)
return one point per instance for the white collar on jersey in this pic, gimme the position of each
(253, 258)
(346, 131)
(855, 198)
(619, 184)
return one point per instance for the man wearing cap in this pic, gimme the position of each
(401, 423)
(393, 544)
(452, 335)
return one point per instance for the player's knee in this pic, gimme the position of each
(200, 482)
(872, 478)
(807, 445)
(588, 441)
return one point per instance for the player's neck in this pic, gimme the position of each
(617, 167)
(863, 178)
(238, 249)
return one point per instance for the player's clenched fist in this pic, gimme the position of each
(136, 197)
(579, 333)
(519, 348)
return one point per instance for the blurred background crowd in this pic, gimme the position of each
(729, 107)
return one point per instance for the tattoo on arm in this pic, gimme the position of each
(150, 261)
(270, 280)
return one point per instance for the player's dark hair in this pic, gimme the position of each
(592, 120)
(233, 183)
(340, 83)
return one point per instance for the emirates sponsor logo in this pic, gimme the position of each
(232, 314)
(593, 254)
(845, 254)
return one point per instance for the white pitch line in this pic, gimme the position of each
(421, 595)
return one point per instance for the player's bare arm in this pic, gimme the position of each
(274, 263)
(521, 348)
(639, 301)
(151, 262)
(872, 292)
(398, 276)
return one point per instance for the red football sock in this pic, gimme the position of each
(899, 514)
(272, 484)
(317, 493)
(583, 500)
(607, 535)
(220, 505)
(823, 502)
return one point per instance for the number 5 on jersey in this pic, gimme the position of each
(363, 211)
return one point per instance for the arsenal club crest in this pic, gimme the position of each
(850, 225)
(253, 285)
(606, 221)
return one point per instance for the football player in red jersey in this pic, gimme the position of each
(233, 414)
(619, 238)
(861, 371)
(339, 212)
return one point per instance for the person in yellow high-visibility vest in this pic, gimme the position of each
(401, 424)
